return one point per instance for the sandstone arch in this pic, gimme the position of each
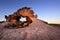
(23, 12)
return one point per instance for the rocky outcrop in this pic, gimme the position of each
(23, 12)
(31, 29)
(37, 30)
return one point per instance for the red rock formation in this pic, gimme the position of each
(23, 12)
(37, 30)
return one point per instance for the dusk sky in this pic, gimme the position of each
(47, 10)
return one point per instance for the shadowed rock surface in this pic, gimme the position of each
(37, 30)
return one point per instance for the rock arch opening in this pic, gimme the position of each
(23, 19)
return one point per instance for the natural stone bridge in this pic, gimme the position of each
(16, 16)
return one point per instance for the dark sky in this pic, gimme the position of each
(48, 10)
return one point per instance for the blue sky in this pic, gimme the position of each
(47, 10)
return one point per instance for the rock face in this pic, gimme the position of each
(22, 12)
(37, 30)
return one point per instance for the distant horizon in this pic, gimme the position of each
(47, 10)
